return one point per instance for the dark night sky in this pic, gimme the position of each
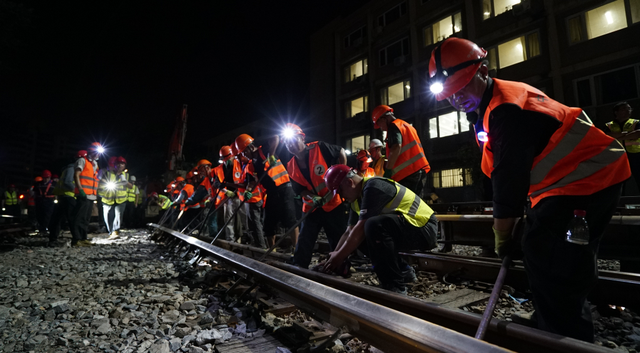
(120, 70)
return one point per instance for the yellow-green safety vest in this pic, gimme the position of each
(164, 202)
(131, 193)
(10, 198)
(119, 194)
(405, 202)
(632, 146)
(59, 190)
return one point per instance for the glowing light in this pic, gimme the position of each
(347, 152)
(519, 47)
(220, 161)
(482, 136)
(95, 201)
(100, 149)
(3, 209)
(609, 17)
(165, 190)
(54, 201)
(288, 133)
(173, 186)
(407, 87)
(195, 173)
(436, 87)
(21, 197)
(487, 13)
(111, 186)
(126, 170)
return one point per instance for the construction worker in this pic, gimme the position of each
(363, 160)
(306, 169)
(10, 202)
(375, 149)
(64, 191)
(163, 201)
(406, 161)
(533, 146)
(113, 190)
(133, 200)
(389, 217)
(253, 204)
(203, 188)
(627, 131)
(86, 191)
(224, 173)
(31, 204)
(44, 201)
(177, 198)
(268, 169)
(187, 189)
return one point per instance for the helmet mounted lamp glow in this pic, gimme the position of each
(482, 136)
(288, 133)
(100, 149)
(439, 79)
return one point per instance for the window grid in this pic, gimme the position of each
(452, 178)
(601, 20)
(396, 93)
(514, 51)
(357, 143)
(392, 14)
(442, 29)
(356, 70)
(356, 106)
(623, 84)
(355, 38)
(449, 124)
(393, 51)
(492, 8)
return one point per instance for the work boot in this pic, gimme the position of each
(409, 275)
(86, 242)
(393, 288)
(79, 244)
(114, 234)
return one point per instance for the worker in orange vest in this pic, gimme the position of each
(363, 159)
(406, 161)
(86, 180)
(534, 147)
(307, 167)
(44, 201)
(224, 174)
(375, 149)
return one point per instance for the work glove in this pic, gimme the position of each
(388, 173)
(503, 242)
(230, 193)
(248, 194)
(82, 195)
(318, 201)
(272, 160)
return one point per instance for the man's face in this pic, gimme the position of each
(382, 122)
(375, 151)
(295, 144)
(120, 167)
(623, 112)
(469, 97)
(204, 169)
(46, 180)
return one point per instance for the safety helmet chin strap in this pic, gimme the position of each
(442, 74)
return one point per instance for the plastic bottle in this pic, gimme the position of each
(578, 229)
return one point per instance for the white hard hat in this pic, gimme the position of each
(132, 178)
(375, 143)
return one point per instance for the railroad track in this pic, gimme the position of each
(391, 322)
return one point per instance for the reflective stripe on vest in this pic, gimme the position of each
(632, 146)
(277, 172)
(579, 159)
(317, 167)
(88, 178)
(405, 202)
(164, 202)
(10, 199)
(131, 193)
(257, 194)
(411, 157)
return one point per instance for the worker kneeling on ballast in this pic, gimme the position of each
(388, 215)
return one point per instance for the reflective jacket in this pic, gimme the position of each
(88, 178)
(277, 172)
(240, 177)
(164, 202)
(579, 159)
(632, 146)
(369, 172)
(411, 157)
(188, 189)
(10, 198)
(115, 196)
(317, 167)
(378, 166)
(405, 202)
(131, 193)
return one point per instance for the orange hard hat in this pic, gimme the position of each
(242, 142)
(38, 179)
(453, 64)
(364, 158)
(189, 175)
(96, 146)
(226, 152)
(234, 150)
(179, 178)
(334, 176)
(378, 113)
(203, 162)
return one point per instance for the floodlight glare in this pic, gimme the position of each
(436, 87)
(111, 186)
(288, 133)
(100, 149)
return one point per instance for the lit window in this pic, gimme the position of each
(442, 29)
(492, 8)
(635, 10)
(448, 124)
(355, 70)
(357, 143)
(396, 93)
(452, 178)
(514, 51)
(601, 20)
(355, 38)
(356, 106)
(395, 13)
(395, 53)
(607, 88)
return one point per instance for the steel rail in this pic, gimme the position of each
(615, 219)
(385, 328)
(503, 333)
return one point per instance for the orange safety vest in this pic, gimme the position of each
(88, 178)
(369, 172)
(411, 158)
(46, 192)
(378, 166)
(189, 189)
(219, 172)
(277, 172)
(579, 159)
(317, 167)
(240, 176)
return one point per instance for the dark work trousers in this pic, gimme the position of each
(634, 163)
(101, 223)
(187, 217)
(31, 216)
(388, 234)
(334, 223)
(254, 220)
(129, 215)
(279, 207)
(44, 210)
(415, 182)
(62, 211)
(80, 219)
(560, 273)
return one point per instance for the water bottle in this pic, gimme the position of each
(578, 229)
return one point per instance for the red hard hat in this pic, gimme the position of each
(334, 176)
(55, 176)
(378, 113)
(46, 174)
(453, 64)
(38, 178)
(112, 162)
(95, 146)
(121, 160)
(225, 152)
(154, 194)
(82, 153)
(179, 178)
(295, 128)
(203, 162)
(242, 142)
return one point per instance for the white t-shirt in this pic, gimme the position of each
(80, 166)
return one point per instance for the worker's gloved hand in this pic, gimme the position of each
(82, 195)
(230, 193)
(216, 183)
(248, 194)
(388, 173)
(503, 242)
(272, 160)
(318, 201)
